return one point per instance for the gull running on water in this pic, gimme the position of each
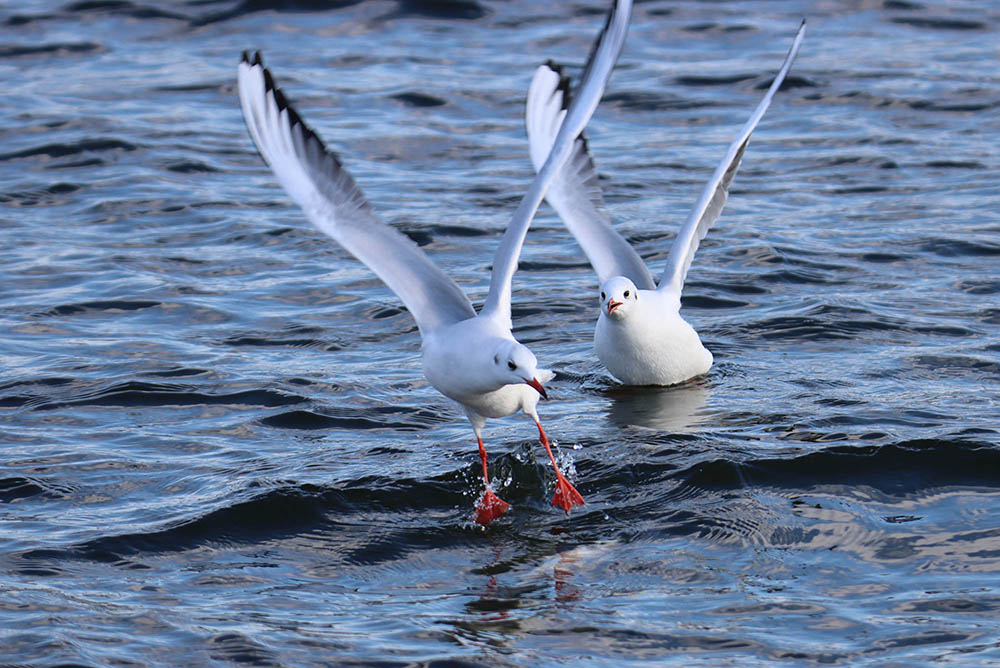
(473, 359)
(640, 336)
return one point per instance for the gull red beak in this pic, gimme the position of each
(538, 386)
(612, 305)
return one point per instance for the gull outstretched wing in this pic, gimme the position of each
(601, 61)
(713, 197)
(315, 179)
(574, 192)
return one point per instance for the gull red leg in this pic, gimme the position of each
(566, 496)
(490, 506)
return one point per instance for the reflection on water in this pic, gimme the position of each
(678, 408)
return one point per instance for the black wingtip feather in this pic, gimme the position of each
(254, 60)
(269, 84)
(286, 106)
(564, 82)
(294, 119)
(567, 98)
(564, 86)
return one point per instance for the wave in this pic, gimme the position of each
(56, 49)
(62, 149)
(53, 195)
(139, 393)
(898, 470)
(288, 511)
(372, 417)
(463, 10)
(16, 488)
(649, 102)
(101, 306)
(940, 23)
(714, 499)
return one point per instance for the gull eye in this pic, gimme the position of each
(602, 296)
(511, 366)
(626, 294)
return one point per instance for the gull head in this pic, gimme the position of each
(618, 294)
(515, 364)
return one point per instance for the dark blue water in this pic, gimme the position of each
(217, 447)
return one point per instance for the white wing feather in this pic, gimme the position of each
(314, 178)
(713, 197)
(574, 193)
(595, 76)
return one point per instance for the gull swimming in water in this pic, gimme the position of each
(640, 337)
(473, 359)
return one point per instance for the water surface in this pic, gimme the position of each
(218, 448)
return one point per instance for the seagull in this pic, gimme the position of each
(471, 358)
(640, 337)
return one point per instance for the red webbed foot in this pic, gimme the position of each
(490, 507)
(566, 496)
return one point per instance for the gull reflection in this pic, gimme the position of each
(678, 408)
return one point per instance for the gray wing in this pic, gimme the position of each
(713, 197)
(314, 178)
(575, 193)
(601, 61)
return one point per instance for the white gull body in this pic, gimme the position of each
(642, 339)
(454, 357)
(640, 336)
(469, 357)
